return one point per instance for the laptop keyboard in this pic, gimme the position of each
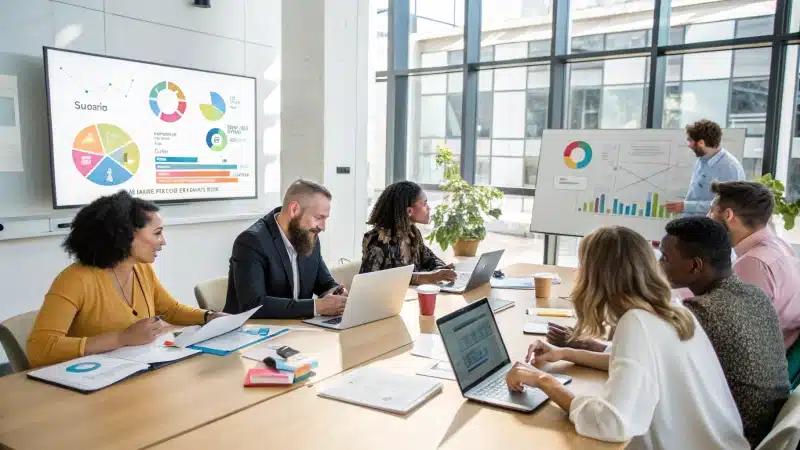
(334, 321)
(495, 388)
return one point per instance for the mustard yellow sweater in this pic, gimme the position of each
(82, 302)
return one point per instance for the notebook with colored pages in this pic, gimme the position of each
(262, 377)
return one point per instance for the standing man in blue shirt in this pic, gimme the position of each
(713, 164)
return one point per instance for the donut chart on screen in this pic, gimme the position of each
(587, 155)
(167, 101)
(216, 139)
(105, 154)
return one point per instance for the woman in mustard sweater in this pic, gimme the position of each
(110, 297)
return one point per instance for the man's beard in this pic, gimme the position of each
(301, 239)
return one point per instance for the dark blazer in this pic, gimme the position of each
(260, 273)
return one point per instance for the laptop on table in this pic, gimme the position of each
(480, 275)
(480, 359)
(373, 296)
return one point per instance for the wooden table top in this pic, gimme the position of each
(163, 403)
(195, 400)
(447, 421)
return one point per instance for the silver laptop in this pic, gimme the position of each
(480, 360)
(373, 296)
(480, 275)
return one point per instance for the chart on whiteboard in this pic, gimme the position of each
(634, 179)
(591, 178)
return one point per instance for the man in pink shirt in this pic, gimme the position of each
(762, 258)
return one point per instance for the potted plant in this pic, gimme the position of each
(460, 220)
(785, 209)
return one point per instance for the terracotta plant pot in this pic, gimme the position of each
(465, 248)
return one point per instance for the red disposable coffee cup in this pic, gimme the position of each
(426, 294)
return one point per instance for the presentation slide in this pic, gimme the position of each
(593, 178)
(161, 133)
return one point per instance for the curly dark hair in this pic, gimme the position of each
(704, 238)
(102, 232)
(706, 130)
(389, 212)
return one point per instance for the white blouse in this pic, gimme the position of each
(661, 393)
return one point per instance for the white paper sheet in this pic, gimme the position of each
(430, 346)
(440, 369)
(214, 328)
(232, 340)
(152, 353)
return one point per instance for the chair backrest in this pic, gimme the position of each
(211, 294)
(14, 334)
(785, 434)
(345, 273)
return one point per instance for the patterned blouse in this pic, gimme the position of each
(742, 325)
(381, 250)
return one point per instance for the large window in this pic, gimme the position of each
(518, 79)
(729, 87)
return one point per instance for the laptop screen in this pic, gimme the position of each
(473, 343)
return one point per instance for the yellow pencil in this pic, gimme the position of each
(550, 312)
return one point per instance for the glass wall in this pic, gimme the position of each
(718, 63)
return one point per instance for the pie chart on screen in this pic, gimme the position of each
(105, 154)
(216, 109)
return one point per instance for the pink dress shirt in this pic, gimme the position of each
(766, 261)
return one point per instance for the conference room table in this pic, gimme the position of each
(201, 402)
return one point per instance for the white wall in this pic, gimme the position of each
(325, 110)
(236, 36)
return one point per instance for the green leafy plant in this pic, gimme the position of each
(788, 210)
(465, 209)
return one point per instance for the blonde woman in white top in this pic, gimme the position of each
(665, 389)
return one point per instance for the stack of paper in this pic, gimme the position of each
(214, 328)
(154, 352)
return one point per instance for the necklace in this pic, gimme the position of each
(128, 301)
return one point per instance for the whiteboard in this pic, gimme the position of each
(163, 133)
(593, 178)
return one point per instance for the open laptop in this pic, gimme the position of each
(480, 275)
(373, 296)
(480, 360)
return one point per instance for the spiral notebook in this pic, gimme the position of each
(386, 391)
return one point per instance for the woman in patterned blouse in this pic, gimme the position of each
(395, 241)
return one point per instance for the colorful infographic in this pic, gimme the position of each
(571, 158)
(593, 178)
(161, 133)
(216, 109)
(105, 154)
(167, 101)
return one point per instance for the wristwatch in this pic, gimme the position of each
(207, 314)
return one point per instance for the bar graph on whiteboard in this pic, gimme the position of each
(651, 206)
(635, 182)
